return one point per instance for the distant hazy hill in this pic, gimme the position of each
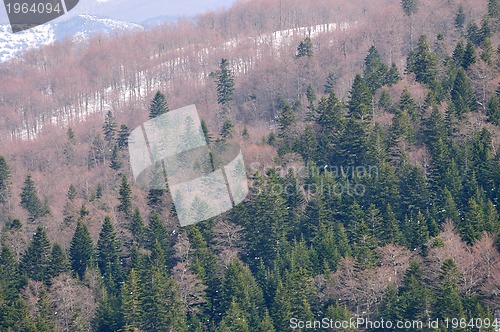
(78, 26)
(92, 16)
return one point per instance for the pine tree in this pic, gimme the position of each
(363, 246)
(389, 306)
(5, 180)
(493, 110)
(30, 201)
(472, 225)
(424, 63)
(206, 132)
(376, 72)
(493, 8)
(44, 320)
(10, 276)
(115, 162)
(460, 18)
(311, 99)
(393, 232)
(462, 95)
(492, 221)
(360, 96)
(419, 231)
(330, 115)
(286, 119)
(385, 101)
(450, 208)
(392, 76)
(267, 323)
(414, 297)
(234, 320)
(106, 317)
(401, 127)
(458, 54)
(108, 253)
(161, 304)
(353, 146)
(327, 249)
(58, 261)
(473, 33)
(413, 189)
(281, 308)
(81, 250)
(227, 129)
(132, 302)
(469, 56)
(122, 139)
(71, 195)
(241, 288)
(109, 127)
(158, 105)
(409, 6)
(339, 313)
(225, 83)
(487, 53)
(308, 145)
(305, 48)
(35, 262)
(330, 83)
(449, 303)
(407, 103)
(485, 31)
(125, 199)
(157, 232)
(137, 227)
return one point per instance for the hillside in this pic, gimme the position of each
(370, 135)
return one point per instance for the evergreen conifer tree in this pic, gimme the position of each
(158, 105)
(81, 250)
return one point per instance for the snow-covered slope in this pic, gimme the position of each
(11, 43)
(79, 27)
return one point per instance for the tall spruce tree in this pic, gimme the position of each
(225, 83)
(462, 95)
(125, 198)
(424, 63)
(81, 250)
(158, 105)
(131, 301)
(108, 253)
(30, 201)
(449, 303)
(35, 262)
(122, 139)
(115, 162)
(375, 73)
(5, 180)
(58, 261)
(360, 104)
(109, 127)
(161, 304)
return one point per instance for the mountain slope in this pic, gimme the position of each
(80, 27)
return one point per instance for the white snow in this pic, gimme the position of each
(12, 43)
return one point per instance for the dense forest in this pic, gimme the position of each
(372, 152)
